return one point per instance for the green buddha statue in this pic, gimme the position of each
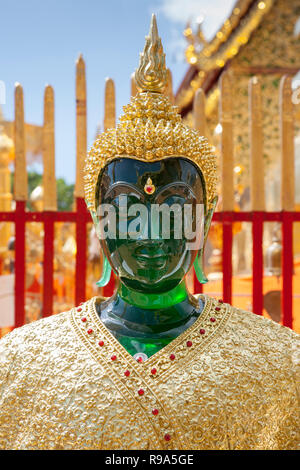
(153, 367)
(151, 306)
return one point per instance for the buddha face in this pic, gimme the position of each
(157, 257)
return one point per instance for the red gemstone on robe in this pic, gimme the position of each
(221, 301)
(114, 357)
(83, 319)
(127, 373)
(212, 319)
(217, 309)
(155, 411)
(101, 343)
(202, 331)
(153, 371)
(189, 344)
(79, 309)
(139, 359)
(172, 357)
(167, 437)
(90, 331)
(141, 391)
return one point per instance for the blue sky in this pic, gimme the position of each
(41, 41)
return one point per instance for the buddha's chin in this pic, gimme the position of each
(147, 286)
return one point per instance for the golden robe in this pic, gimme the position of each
(228, 382)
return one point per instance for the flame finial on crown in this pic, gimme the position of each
(151, 74)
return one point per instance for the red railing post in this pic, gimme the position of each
(287, 268)
(227, 256)
(20, 264)
(48, 264)
(258, 262)
(108, 290)
(198, 287)
(81, 247)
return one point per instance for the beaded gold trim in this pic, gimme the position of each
(104, 347)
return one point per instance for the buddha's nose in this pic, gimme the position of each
(150, 248)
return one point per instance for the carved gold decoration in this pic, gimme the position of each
(49, 182)
(235, 33)
(151, 75)
(109, 105)
(287, 145)
(257, 172)
(81, 126)
(227, 43)
(20, 183)
(150, 129)
(6, 154)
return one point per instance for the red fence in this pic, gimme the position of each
(81, 218)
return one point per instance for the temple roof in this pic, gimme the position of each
(235, 32)
(207, 64)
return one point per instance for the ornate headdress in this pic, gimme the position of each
(151, 128)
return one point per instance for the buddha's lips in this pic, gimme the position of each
(157, 261)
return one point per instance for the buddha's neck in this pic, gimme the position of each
(145, 312)
(153, 301)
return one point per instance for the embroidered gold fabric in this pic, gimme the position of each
(228, 382)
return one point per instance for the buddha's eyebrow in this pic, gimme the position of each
(126, 186)
(178, 185)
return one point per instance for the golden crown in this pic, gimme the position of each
(151, 128)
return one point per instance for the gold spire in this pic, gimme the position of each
(151, 75)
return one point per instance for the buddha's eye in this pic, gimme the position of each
(174, 199)
(122, 202)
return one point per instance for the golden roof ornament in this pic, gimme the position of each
(151, 128)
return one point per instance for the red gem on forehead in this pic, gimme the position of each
(113, 357)
(155, 411)
(172, 357)
(90, 331)
(189, 344)
(167, 437)
(149, 189)
(127, 373)
(212, 319)
(101, 343)
(202, 331)
(141, 391)
(83, 319)
(153, 371)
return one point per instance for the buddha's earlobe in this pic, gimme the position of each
(106, 273)
(198, 267)
(198, 263)
(106, 267)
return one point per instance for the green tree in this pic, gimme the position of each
(64, 191)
